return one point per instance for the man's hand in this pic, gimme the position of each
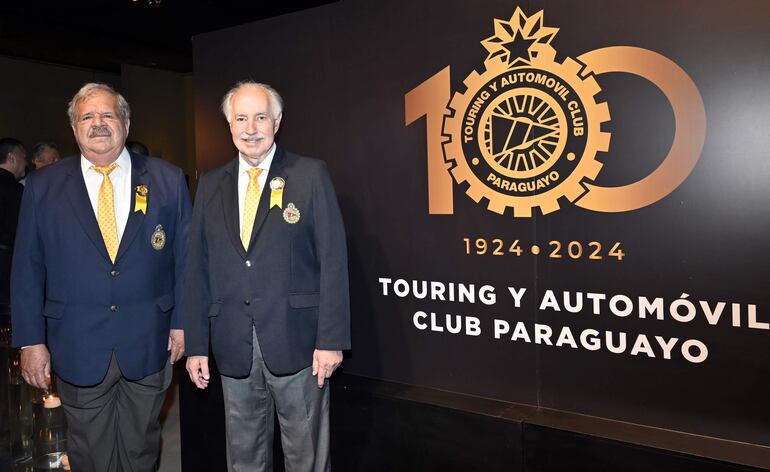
(36, 366)
(324, 363)
(198, 368)
(176, 344)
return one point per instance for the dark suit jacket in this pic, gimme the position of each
(292, 283)
(62, 276)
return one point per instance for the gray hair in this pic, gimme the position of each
(88, 89)
(275, 101)
(38, 148)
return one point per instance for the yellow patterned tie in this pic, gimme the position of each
(250, 206)
(105, 211)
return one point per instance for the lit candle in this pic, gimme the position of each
(51, 401)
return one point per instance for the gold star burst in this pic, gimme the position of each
(513, 39)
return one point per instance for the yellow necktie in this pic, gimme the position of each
(105, 211)
(250, 206)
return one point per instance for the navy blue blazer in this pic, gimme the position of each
(63, 281)
(291, 284)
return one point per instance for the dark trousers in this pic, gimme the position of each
(114, 426)
(303, 415)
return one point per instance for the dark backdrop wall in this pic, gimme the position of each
(33, 107)
(34, 102)
(696, 361)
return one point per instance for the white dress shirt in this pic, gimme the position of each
(243, 180)
(121, 188)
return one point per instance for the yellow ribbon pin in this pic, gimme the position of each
(276, 192)
(141, 199)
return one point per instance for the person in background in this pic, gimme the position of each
(13, 162)
(44, 154)
(137, 148)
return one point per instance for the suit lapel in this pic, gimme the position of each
(81, 205)
(276, 170)
(229, 191)
(139, 176)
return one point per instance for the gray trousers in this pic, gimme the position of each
(303, 415)
(114, 426)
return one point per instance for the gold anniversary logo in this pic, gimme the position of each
(527, 131)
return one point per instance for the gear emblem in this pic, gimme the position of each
(526, 131)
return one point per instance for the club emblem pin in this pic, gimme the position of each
(141, 198)
(158, 238)
(276, 192)
(291, 214)
(277, 183)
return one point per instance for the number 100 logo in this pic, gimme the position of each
(527, 131)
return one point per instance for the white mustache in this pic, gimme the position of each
(100, 131)
(252, 138)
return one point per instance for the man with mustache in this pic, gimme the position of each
(267, 285)
(98, 267)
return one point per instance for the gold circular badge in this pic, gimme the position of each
(277, 183)
(526, 131)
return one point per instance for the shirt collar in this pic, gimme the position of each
(123, 161)
(244, 166)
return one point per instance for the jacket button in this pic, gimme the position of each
(247, 302)
(114, 273)
(113, 308)
(248, 263)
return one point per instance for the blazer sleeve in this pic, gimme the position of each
(28, 275)
(329, 231)
(180, 249)
(197, 297)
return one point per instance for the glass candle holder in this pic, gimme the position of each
(50, 433)
(20, 411)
